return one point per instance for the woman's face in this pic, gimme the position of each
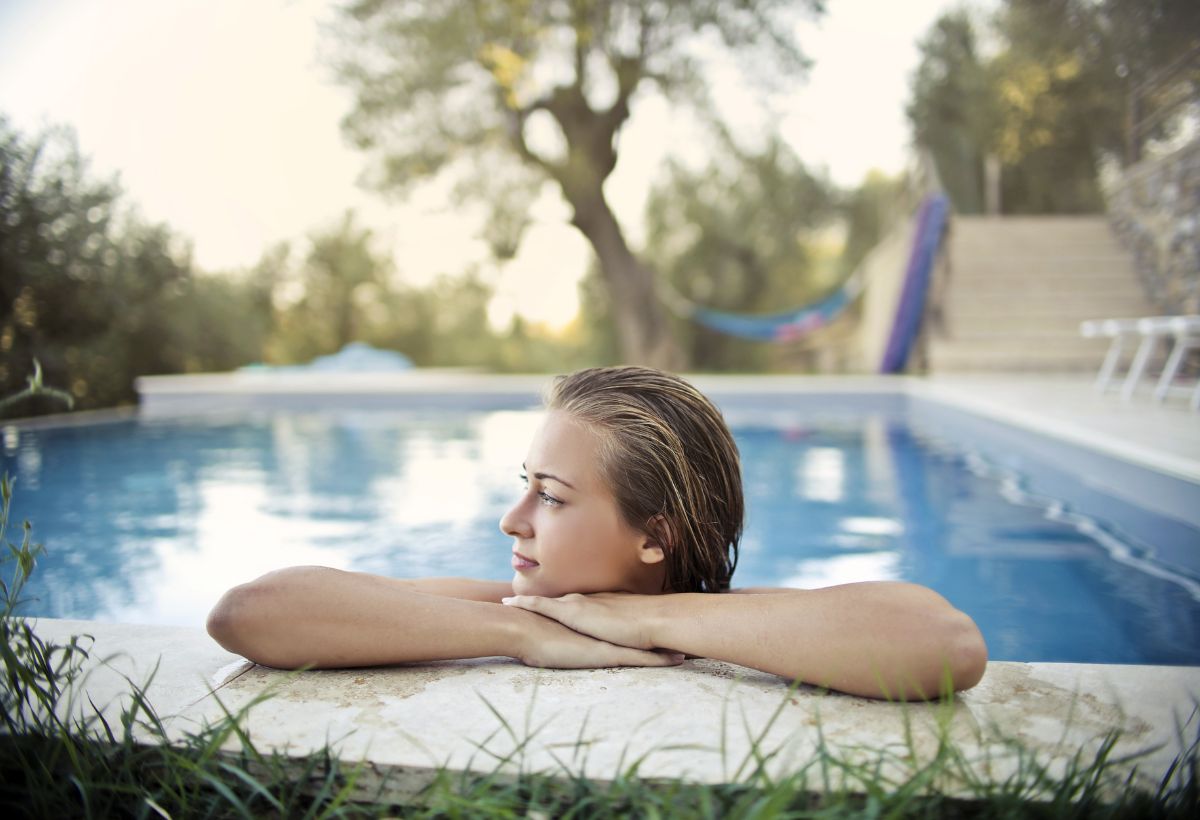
(568, 534)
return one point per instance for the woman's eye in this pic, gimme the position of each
(543, 496)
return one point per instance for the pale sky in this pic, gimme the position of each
(220, 120)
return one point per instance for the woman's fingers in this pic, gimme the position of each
(551, 644)
(611, 619)
(530, 602)
(624, 656)
(598, 655)
(556, 608)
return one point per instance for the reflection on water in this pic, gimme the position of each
(150, 521)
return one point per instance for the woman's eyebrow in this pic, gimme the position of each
(552, 477)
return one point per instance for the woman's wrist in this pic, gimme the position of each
(516, 628)
(656, 618)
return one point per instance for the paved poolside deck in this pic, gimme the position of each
(1163, 435)
(699, 720)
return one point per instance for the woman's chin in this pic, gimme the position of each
(523, 585)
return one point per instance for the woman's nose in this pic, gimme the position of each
(515, 523)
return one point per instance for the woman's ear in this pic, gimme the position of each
(659, 538)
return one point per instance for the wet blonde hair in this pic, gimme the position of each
(671, 463)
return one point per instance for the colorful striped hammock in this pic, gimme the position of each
(801, 321)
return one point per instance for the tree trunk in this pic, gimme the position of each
(642, 328)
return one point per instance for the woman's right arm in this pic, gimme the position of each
(322, 617)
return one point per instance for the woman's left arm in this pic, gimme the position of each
(881, 639)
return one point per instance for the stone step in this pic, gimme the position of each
(1049, 290)
(1057, 227)
(1097, 245)
(992, 230)
(1030, 302)
(1037, 220)
(1064, 304)
(966, 357)
(1047, 340)
(1041, 267)
(1019, 288)
(1066, 309)
(959, 326)
(1099, 242)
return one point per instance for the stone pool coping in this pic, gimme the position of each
(694, 722)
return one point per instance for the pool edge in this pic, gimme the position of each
(409, 721)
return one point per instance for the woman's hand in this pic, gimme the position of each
(614, 617)
(886, 639)
(548, 643)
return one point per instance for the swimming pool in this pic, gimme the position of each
(149, 519)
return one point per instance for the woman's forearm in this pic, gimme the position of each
(889, 640)
(316, 616)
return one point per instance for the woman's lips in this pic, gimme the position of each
(519, 561)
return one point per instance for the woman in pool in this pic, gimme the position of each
(624, 543)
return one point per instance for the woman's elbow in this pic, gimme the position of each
(231, 618)
(956, 641)
(965, 650)
(242, 621)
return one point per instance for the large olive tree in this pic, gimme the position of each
(481, 83)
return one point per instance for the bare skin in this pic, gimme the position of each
(321, 617)
(908, 641)
(586, 593)
(886, 639)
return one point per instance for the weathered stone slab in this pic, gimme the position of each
(706, 720)
(176, 667)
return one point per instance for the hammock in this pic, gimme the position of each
(799, 322)
(776, 327)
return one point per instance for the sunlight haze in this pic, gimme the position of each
(220, 120)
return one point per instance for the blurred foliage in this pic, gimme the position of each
(951, 111)
(869, 212)
(738, 236)
(509, 95)
(99, 297)
(344, 290)
(86, 287)
(1049, 100)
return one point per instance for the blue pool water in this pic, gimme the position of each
(150, 520)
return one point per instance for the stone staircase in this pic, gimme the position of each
(1018, 288)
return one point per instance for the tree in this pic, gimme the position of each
(736, 236)
(870, 211)
(1052, 101)
(98, 295)
(551, 83)
(1147, 45)
(1060, 106)
(951, 108)
(341, 285)
(1146, 37)
(86, 287)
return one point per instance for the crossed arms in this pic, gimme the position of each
(884, 639)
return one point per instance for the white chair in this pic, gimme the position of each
(1185, 330)
(1119, 330)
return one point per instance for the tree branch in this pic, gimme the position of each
(515, 126)
(583, 32)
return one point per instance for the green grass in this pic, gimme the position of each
(63, 758)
